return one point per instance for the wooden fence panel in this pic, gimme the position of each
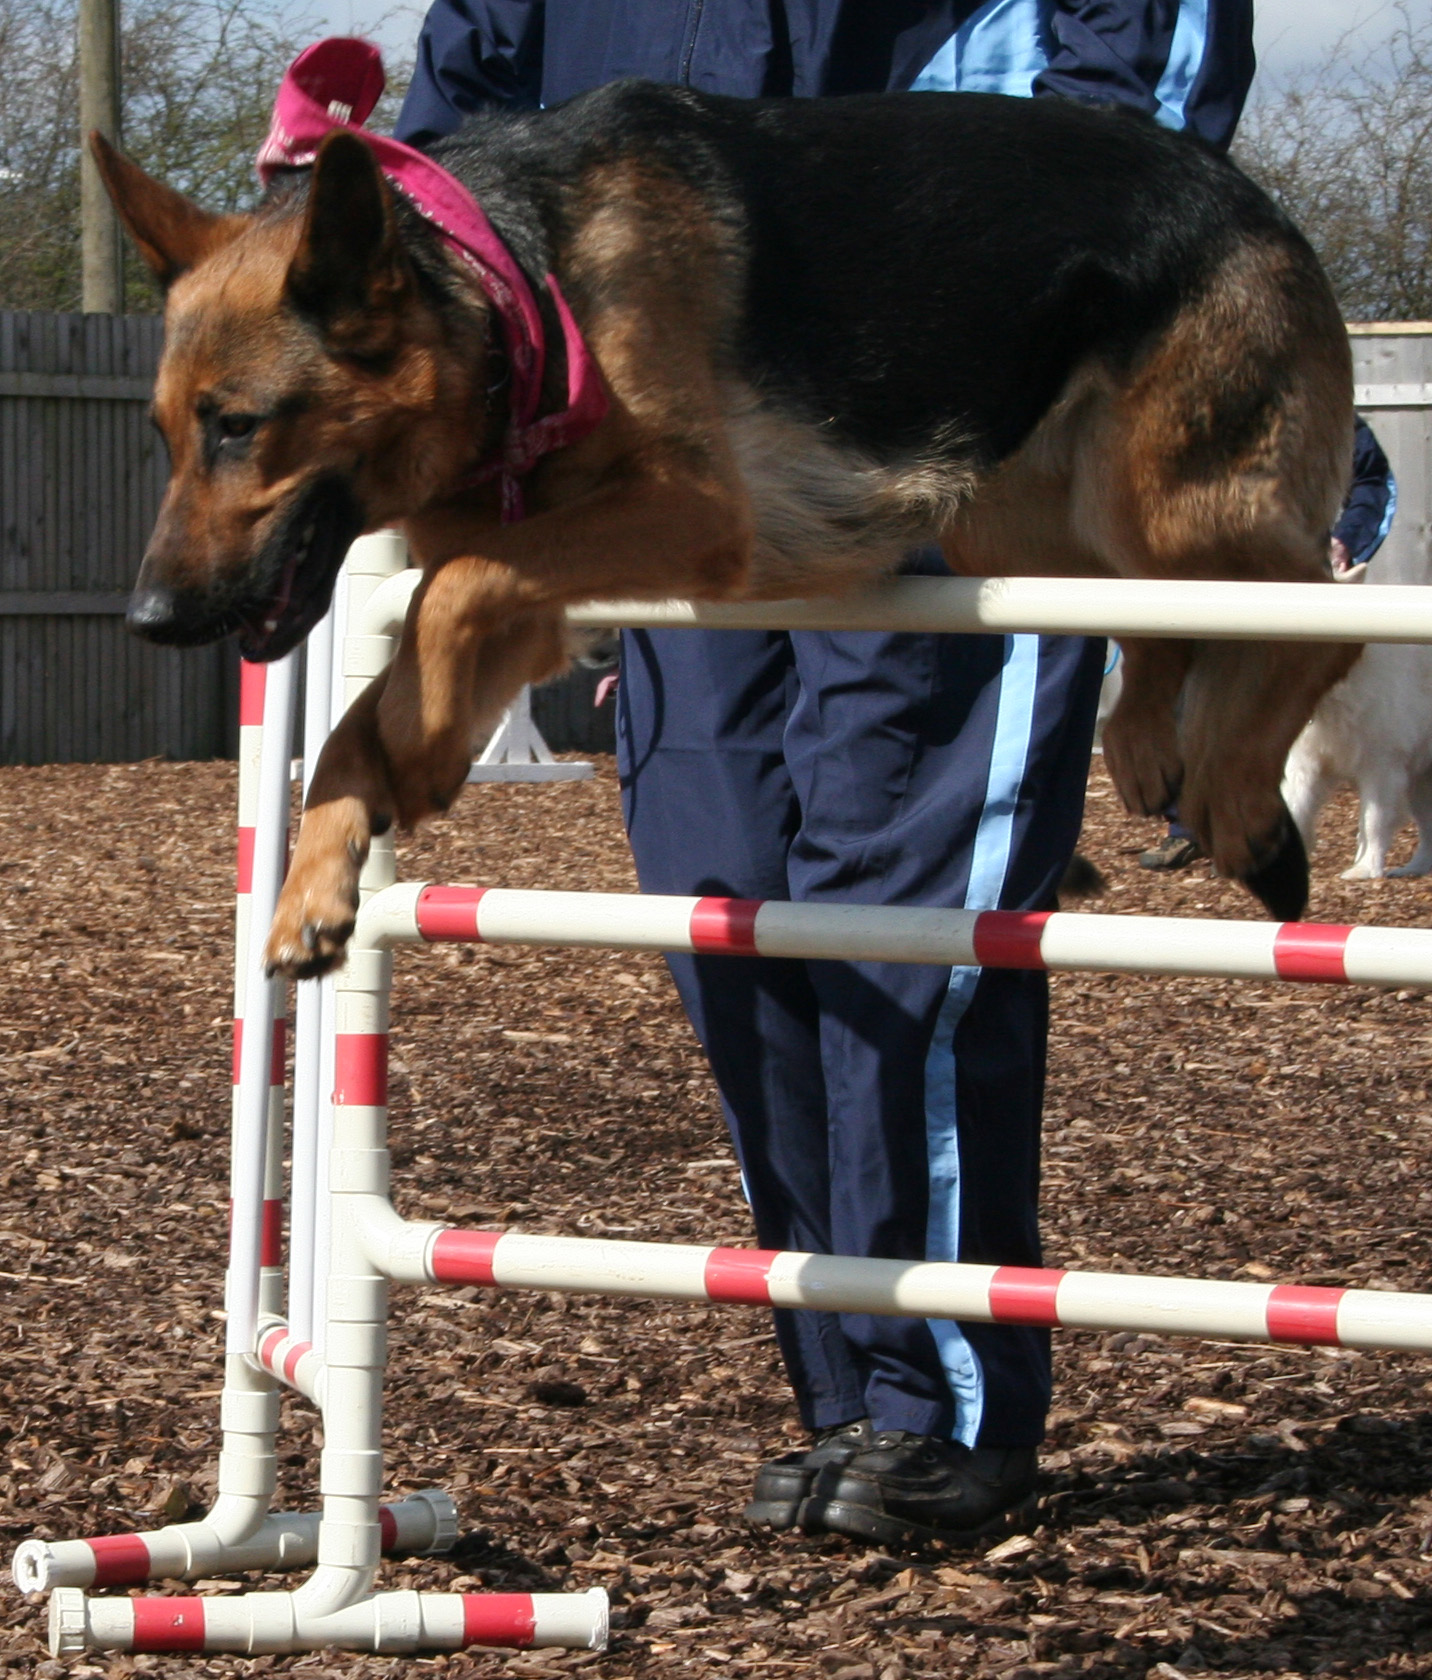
(1392, 374)
(81, 475)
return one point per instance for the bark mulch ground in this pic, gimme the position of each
(1207, 1507)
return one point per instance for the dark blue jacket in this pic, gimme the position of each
(1367, 513)
(1187, 62)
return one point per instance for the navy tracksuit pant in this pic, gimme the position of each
(878, 1109)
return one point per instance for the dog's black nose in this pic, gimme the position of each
(152, 613)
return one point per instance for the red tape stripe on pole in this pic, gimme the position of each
(360, 1070)
(449, 912)
(498, 1619)
(252, 681)
(1025, 1295)
(465, 1256)
(1010, 938)
(120, 1560)
(168, 1624)
(1299, 1313)
(726, 925)
(740, 1274)
(271, 1240)
(1311, 951)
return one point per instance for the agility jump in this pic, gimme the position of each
(347, 1243)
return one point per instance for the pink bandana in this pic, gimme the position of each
(335, 84)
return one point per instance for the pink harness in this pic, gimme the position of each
(335, 84)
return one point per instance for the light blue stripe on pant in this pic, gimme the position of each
(1186, 54)
(1000, 48)
(1014, 724)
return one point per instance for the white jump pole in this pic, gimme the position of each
(308, 1096)
(1284, 612)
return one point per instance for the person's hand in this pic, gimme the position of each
(1338, 556)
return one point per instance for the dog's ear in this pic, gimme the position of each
(172, 233)
(349, 274)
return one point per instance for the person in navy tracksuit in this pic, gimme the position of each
(877, 1109)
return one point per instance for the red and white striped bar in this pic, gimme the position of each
(253, 1284)
(1256, 1312)
(292, 1359)
(1054, 940)
(393, 1622)
(423, 1522)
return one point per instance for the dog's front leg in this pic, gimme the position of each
(350, 799)
(452, 677)
(489, 620)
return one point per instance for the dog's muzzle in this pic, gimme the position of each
(169, 617)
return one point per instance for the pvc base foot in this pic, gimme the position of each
(396, 1622)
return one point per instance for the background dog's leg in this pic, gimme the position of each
(1419, 798)
(1141, 746)
(1382, 810)
(349, 801)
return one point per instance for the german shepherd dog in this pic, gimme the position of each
(1051, 338)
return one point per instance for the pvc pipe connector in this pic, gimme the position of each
(423, 1523)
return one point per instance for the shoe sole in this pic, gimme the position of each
(859, 1522)
(772, 1513)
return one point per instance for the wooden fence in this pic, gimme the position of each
(81, 474)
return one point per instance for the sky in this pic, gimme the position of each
(1289, 34)
(1293, 34)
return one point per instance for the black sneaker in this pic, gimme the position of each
(1174, 851)
(907, 1487)
(782, 1484)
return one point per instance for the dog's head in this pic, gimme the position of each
(310, 389)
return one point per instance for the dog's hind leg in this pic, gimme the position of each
(1244, 705)
(1223, 452)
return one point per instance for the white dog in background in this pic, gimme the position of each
(1374, 729)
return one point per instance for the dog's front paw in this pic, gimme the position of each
(316, 910)
(312, 926)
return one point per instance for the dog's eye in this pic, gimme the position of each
(237, 425)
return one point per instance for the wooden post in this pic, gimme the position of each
(101, 253)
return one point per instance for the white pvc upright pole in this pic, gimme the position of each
(256, 1049)
(370, 561)
(308, 1093)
